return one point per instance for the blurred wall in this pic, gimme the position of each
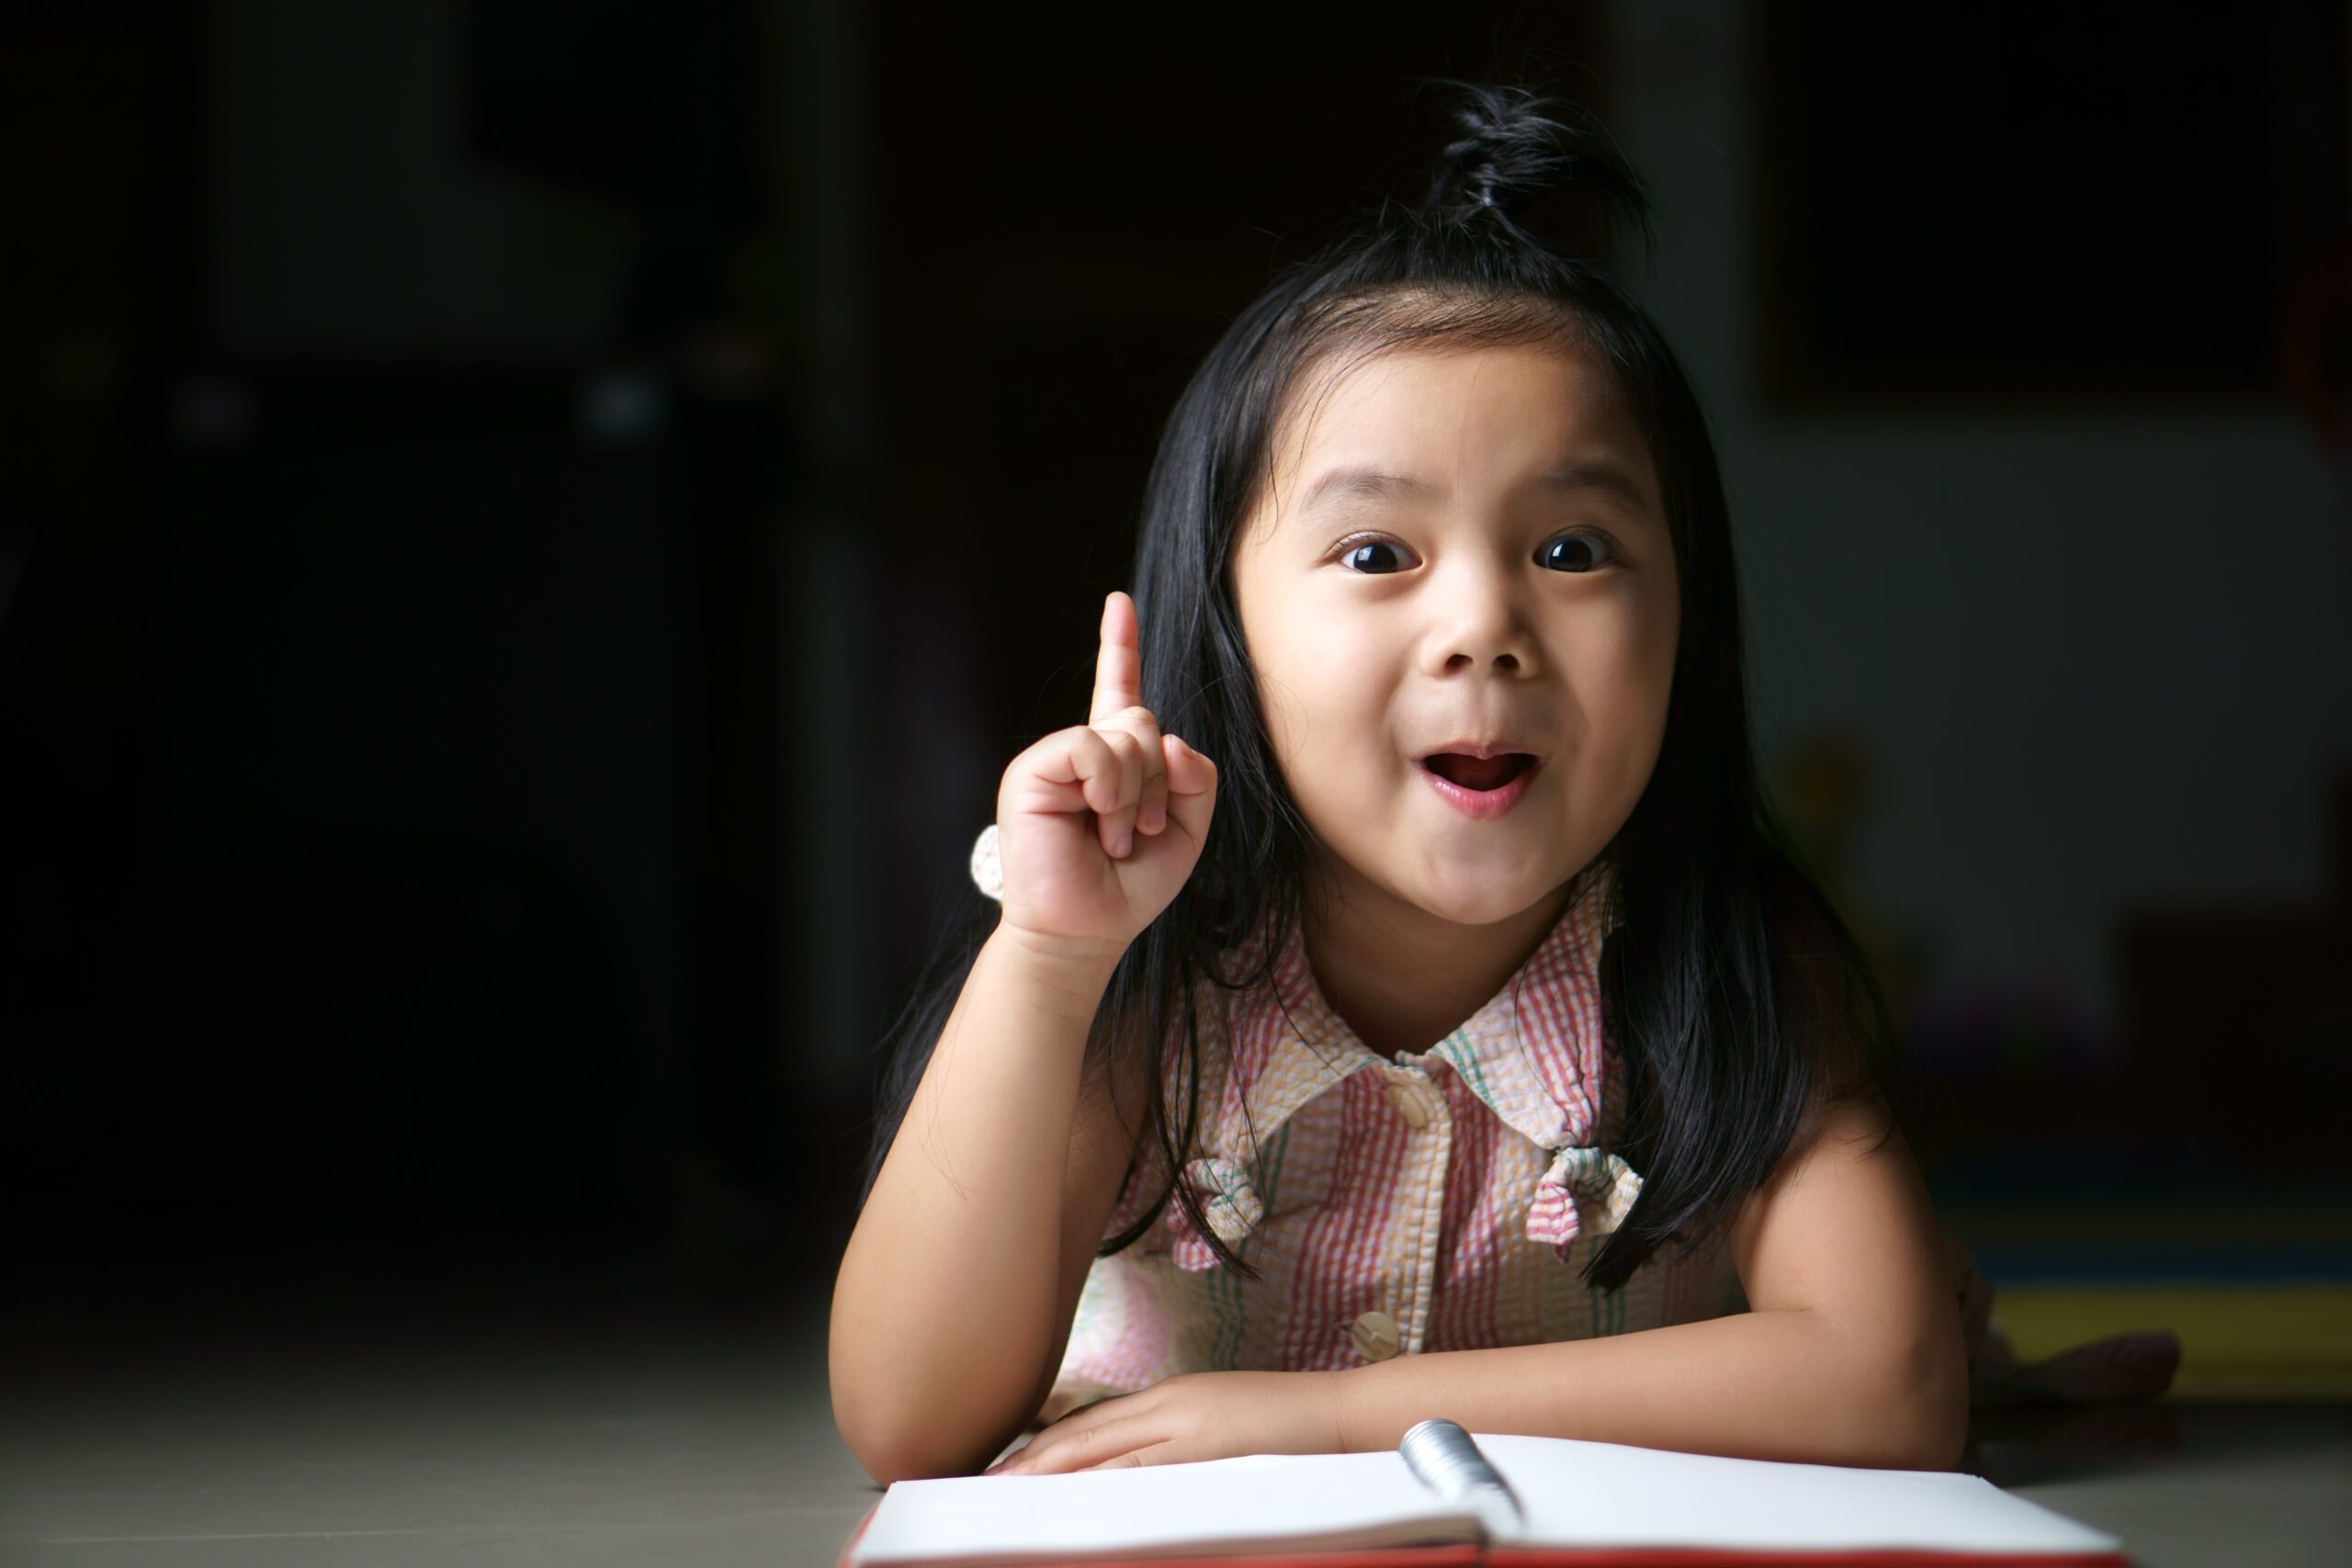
(432, 580)
(2097, 649)
(535, 528)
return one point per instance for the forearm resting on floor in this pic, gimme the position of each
(1791, 1385)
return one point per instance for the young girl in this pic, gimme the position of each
(1402, 1002)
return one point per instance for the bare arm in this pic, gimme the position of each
(951, 1294)
(1851, 1355)
(1853, 1351)
(954, 1299)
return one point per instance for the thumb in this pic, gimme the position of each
(1192, 787)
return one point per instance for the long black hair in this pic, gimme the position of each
(1714, 895)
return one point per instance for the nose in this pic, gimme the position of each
(1480, 624)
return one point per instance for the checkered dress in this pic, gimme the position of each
(1441, 1200)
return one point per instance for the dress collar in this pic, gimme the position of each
(1532, 1051)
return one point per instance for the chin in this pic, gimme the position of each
(1477, 900)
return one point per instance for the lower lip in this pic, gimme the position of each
(1482, 804)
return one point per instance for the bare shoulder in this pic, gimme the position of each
(1845, 1225)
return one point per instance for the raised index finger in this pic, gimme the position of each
(1118, 668)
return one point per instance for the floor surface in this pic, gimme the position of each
(712, 1444)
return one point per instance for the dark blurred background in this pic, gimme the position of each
(532, 527)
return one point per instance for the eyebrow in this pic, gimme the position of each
(1370, 484)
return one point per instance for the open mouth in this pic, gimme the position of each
(1478, 773)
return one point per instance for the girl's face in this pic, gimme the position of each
(1462, 545)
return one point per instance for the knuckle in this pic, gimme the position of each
(1123, 745)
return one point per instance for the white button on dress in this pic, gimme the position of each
(1408, 1105)
(1375, 1337)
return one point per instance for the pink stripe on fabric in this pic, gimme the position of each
(1346, 1213)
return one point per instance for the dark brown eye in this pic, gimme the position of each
(1368, 556)
(1575, 553)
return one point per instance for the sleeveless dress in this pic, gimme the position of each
(1441, 1200)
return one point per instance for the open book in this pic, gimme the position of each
(1525, 1502)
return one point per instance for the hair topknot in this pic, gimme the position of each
(1517, 146)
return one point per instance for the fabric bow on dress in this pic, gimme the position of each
(1227, 1201)
(1585, 1191)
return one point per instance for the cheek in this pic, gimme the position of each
(1323, 698)
(1625, 700)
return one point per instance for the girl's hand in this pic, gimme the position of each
(1193, 1416)
(1099, 825)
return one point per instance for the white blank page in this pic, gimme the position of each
(1258, 1501)
(1576, 1493)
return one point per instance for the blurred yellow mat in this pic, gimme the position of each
(2250, 1341)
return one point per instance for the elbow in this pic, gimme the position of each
(893, 1434)
(886, 1467)
(891, 1464)
(1921, 1405)
(894, 1450)
(897, 1440)
(904, 1416)
(868, 1443)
